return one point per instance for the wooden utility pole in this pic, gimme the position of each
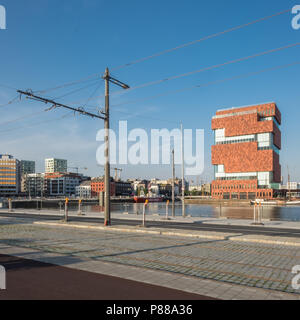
(108, 79)
(173, 184)
(105, 117)
(107, 164)
(182, 167)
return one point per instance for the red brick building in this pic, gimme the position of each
(97, 186)
(246, 152)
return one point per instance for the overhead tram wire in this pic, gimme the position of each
(214, 35)
(7, 87)
(68, 84)
(147, 84)
(146, 117)
(204, 85)
(36, 123)
(22, 118)
(10, 102)
(77, 90)
(92, 95)
(244, 75)
(166, 51)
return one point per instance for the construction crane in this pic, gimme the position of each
(116, 174)
(77, 168)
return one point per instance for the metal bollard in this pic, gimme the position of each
(144, 213)
(79, 207)
(167, 209)
(10, 205)
(260, 214)
(254, 213)
(66, 209)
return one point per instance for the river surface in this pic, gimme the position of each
(284, 213)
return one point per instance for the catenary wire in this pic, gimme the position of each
(244, 75)
(22, 118)
(263, 53)
(168, 50)
(10, 102)
(200, 40)
(77, 90)
(35, 124)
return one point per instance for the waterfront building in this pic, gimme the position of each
(123, 188)
(97, 186)
(27, 167)
(34, 185)
(62, 184)
(84, 190)
(53, 165)
(10, 176)
(245, 155)
(202, 189)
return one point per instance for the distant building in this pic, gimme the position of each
(206, 189)
(10, 176)
(84, 190)
(27, 167)
(56, 165)
(139, 186)
(97, 186)
(197, 188)
(62, 184)
(291, 189)
(123, 188)
(293, 186)
(34, 185)
(246, 152)
(201, 189)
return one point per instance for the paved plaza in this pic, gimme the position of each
(251, 265)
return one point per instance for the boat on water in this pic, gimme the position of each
(274, 202)
(150, 199)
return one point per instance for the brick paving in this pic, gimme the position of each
(230, 262)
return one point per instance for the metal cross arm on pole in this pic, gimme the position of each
(31, 96)
(116, 82)
(105, 117)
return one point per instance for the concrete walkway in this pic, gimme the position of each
(202, 287)
(156, 217)
(218, 268)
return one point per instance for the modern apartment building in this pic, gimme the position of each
(34, 185)
(10, 176)
(56, 165)
(62, 184)
(246, 152)
(27, 167)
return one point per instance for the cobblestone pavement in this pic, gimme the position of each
(249, 264)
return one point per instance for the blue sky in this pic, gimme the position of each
(48, 43)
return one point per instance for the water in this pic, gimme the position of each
(291, 213)
(284, 213)
(212, 211)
